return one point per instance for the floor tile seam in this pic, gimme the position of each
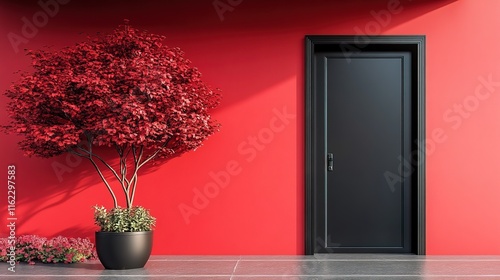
(331, 260)
(356, 275)
(322, 255)
(234, 268)
(260, 275)
(120, 275)
(192, 260)
(245, 259)
(279, 259)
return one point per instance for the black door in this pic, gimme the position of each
(366, 130)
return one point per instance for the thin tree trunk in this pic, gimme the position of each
(115, 201)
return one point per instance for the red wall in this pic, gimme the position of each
(255, 55)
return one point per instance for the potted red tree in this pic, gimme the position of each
(124, 91)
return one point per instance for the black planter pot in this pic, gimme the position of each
(124, 250)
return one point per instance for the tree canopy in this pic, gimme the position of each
(125, 90)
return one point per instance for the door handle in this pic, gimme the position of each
(329, 159)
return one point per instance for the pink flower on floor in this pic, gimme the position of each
(69, 258)
(31, 248)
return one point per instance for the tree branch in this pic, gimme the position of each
(135, 177)
(115, 201)
(91, 154)
(72, 151)
(89, 157)
(152, 156)
(138, 164)
(123, 171)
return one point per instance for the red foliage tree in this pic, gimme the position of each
(125, 90)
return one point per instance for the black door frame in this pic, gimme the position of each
(347, 44)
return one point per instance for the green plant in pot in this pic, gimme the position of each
(126, 92)
(125, 238)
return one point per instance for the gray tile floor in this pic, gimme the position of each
(331, 266)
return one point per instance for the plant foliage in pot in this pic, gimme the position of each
(125, 91)
(125, 239)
